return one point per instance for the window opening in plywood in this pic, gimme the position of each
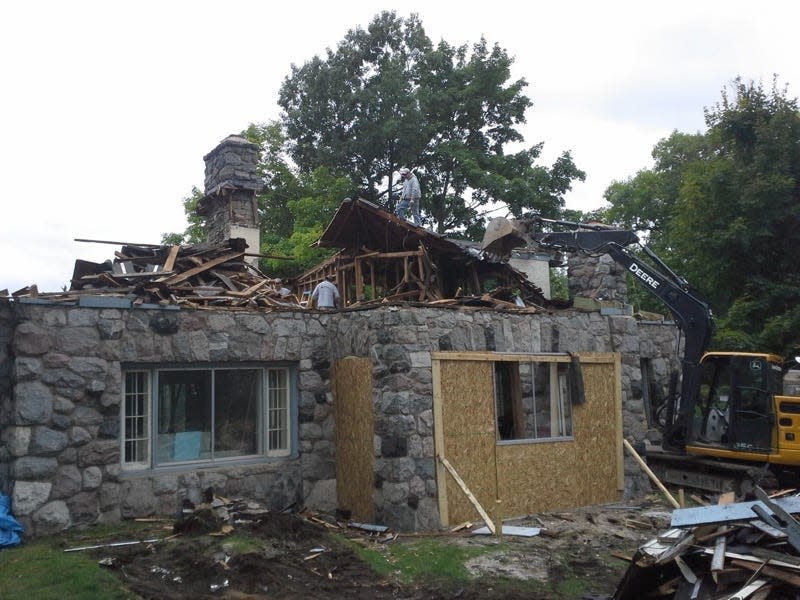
(532, 400)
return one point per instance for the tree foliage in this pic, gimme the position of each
(386, 97)
(195, 231)
(723, 207)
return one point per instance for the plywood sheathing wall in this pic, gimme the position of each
(515, 479)
(351, 385)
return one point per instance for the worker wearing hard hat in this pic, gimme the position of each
(410, 196)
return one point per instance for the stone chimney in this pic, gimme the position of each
(229, 206)
(597, 277)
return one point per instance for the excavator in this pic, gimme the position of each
(729, 425)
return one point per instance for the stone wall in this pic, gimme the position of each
(6, 365)
(60, 436)
(399, 343)
(598, 277)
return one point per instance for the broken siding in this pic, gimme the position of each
(525, 477)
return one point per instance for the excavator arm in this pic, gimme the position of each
(691, 314)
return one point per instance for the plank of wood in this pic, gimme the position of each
(766, 569)
(127, 275)
(396, 254)
(169, 264)
(484, 515)
(107, 278)
(201, 268)
(251, 290)
(739, 511)
(718, 558)
(119, 243)
(782, 564)
(650, 473)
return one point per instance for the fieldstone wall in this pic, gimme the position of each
(598, 277)
(60, 447)
(399, 342)
(6, 365)
(61, 434)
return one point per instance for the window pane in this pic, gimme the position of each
(543, 409)
(564, 403)
(278, 409)
(236, 402)
(532, 400)
(136, 434)
(184, 416)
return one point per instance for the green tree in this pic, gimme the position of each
(282, 185)
(356, 112)
(195, 231)
(737, 223)
(386, 98)
(319, 195)
(645, 202)
(722, 208)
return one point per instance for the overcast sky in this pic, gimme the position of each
(108, 107)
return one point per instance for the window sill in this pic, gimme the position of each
(535, 441)
(188, 467)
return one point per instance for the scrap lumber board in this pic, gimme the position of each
(201, 268)
(484, 515)
(757, 559)
(511, 530)
(169, 264)
(726, 513)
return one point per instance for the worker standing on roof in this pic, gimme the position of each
(326, 294)
(410, 197)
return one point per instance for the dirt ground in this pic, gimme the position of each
(280, 555)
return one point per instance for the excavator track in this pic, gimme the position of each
(709, 475)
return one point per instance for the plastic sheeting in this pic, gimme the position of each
(10, 529)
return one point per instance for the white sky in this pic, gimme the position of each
(108, 107)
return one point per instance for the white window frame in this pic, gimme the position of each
(277, 415)
(136, 410)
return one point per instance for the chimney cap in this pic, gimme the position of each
(232, 140)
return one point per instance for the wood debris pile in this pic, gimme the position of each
(191, 276)
(725, 551)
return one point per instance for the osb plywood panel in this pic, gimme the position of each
(351, 384)
(536, 476)
(467, 390)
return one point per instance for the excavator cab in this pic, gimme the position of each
(743, 413)
(735, 410)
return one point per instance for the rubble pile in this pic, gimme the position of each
(193, 276)
(724, 551)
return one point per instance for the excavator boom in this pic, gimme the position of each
(692, 315)
(729, 418)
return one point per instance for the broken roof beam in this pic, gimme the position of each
(206, 266)
(118, 243)
(169, 264)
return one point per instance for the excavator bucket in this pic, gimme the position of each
(503, 235)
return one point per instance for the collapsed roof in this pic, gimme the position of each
(382, 259)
